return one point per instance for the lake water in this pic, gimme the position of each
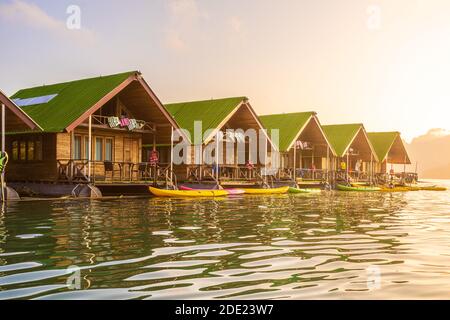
(333, 245)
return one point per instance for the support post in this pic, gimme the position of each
(371, 170)
(154, 141)
(3, 150)
(171, 154)
(265, 159)
(72, 152)
(3, 127)
(347, 166)
(217, 158)
(328, 164)
(313, 163)
(295, 162)
(90, 148)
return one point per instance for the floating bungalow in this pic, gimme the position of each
(352, 145)
(305, 152)
(92, 135)
(390, 149)
(216, 118)
(13, 119)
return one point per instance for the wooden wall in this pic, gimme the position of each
(42, 170)
(58, 146)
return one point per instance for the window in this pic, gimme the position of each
(108, 149)
(30, 151)
(102, 148)
(15, 150)
(77, 148)
(23, 150)
(27, 149)
(98, 149)
(38, 149)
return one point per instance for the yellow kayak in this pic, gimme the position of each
(433, 188)
(412, 188)
(267, 191)
(398, 189)
(187, 193)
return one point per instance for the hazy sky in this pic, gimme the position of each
(385, 63)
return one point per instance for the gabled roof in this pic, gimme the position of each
(341, 136)
(384, 142)
(73, 99)
(289, 125)
(24, 118)
(212, 113)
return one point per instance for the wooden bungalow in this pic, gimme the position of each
(217, 118)
(93, 132)
(13, 119)
(352, 145)
(305, 152)
(390, 149)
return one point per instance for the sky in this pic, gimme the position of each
(385, 63)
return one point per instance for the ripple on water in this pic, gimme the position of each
(268, 247)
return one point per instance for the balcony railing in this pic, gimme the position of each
(198, 173)
(107, 171)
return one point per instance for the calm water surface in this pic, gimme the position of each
(333, 246)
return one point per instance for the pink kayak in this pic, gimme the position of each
(230, 191)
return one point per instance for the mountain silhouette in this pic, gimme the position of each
(432, 154)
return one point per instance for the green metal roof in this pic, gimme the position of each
(382, 142)
(340, 136)
(288, 124)
(73, 99)
(211, 112)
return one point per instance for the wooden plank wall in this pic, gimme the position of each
(44, 170)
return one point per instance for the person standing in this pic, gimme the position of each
(358, 167)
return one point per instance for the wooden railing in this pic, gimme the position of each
(106, 171)
(198, 173)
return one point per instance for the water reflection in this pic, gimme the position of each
(284, 246)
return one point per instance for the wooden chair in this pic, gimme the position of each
(142, 171)
(109, 167)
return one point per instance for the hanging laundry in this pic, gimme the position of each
(140, 124)
(124, 122)
(113, 122)
(132, 124)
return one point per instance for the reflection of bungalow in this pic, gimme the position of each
(13, 120)
(390, 150)
(93, 131)
(304, 148)
(352, 145)
(216, 117)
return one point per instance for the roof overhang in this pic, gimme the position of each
(314, 118)
(397, 145)
(372, 150)
(18, 112)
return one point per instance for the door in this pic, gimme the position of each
(131, 157)
(131, 150)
